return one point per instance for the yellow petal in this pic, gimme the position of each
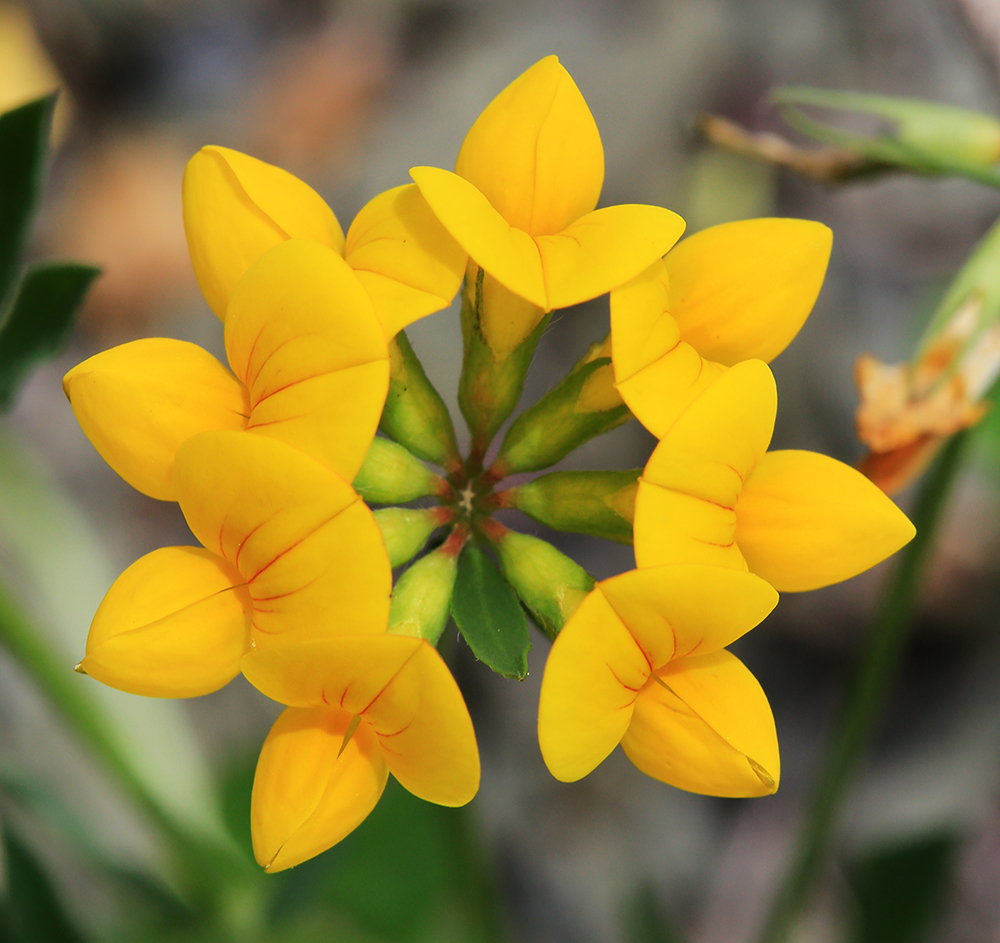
(684, 509)
(742, 290)
(509, 254)
(309, 549)
(670, 527)
(641, 326)
(707, 728)
(679, 610)
(805, 520)
(236, 208)
(535, 152)
(302, 335)
(400, 687)
(404, 257)
(175, 624)
(138, 402)
(592, 676)
(603, 250)
(715, 444)
(311, 790)
(506, 319)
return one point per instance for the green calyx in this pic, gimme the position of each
(459, 561)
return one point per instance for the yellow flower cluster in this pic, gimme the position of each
(292, 583)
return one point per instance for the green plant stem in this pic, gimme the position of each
(200, 863)
(862, 708)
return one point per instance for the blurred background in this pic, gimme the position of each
(349, 96)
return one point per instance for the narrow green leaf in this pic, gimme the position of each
(40, 320)
(24, 138)
(901, 891)
(488, 615)
(33, 906)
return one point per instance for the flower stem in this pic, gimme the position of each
(204, 864)
(875, 673)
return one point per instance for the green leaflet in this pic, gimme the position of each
(488, 615)
(40, 320)
(24, 137)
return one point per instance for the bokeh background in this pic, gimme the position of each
(349, 96)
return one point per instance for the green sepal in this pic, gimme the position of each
(488, 615)
(489, 389)
(414, 414)
(925, 138)
(392, 475)
(550, 584)
(24, 146)
(40, 320)
(406, 531)
(556, 425)
(421, 598)
(599, 503)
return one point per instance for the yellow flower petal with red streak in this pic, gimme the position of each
(401, 689)
(685, 506)
(310, 550)
(603, 250)
(236, 208)
(404, 258)
(743, 290)
(657, 374)
(311, 790)
(805, 520)
(593, 674)
(509, 254)
(679, 610)
(138, 402)
(302, 335)
(706, 728)
(535, 152)
(175, 624)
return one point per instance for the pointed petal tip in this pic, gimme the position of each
(79, 669)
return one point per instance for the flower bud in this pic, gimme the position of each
(549, 583)
(421, 598)
(923, 134)
(583, 405)
(406, 530)
(599, 503)
(391, 475)
(414, 414)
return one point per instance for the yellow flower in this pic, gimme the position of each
(521, 201)
(289, 550)
(711, 493)
(642, 662)
(237, 207)
(310, 367)
(361, 707)
(729, 293)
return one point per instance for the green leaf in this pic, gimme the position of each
(488, 615)
(901, 891)
(33, 907)
(40, 320)
(24, 138)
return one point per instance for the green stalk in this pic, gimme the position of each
(208, 870)
(876, 671)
